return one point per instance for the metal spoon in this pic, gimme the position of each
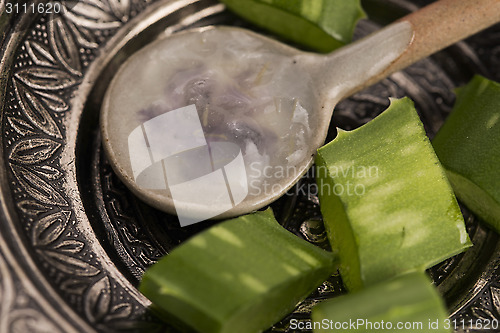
(221, 121)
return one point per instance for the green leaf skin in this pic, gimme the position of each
(468, 145)
(242, 275)
(406, 218)
(410, 299)
(322, 25)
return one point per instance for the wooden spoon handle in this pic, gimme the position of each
(401, 44)
(443, 23)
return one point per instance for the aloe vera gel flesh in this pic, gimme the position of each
(386, 202)
(242, 275)
(468, 145)
(409, 303)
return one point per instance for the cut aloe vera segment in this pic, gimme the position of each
(409, 303)
(242, 275)
(468, 145)
(386, 202)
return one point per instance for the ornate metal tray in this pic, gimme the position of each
(74, 242)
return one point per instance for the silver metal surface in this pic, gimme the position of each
(74, 241)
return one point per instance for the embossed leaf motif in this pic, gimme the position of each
(39, 189)
(54, 102)
(98, 300)
(41, 78)
(72, 246)
(48, 229)
(20, 126)
(483, 314)
(30, 320)
(39, 54)
(36, 112)
(495, 296)
(47, 172)
(68, 264)
(64, 45)
(31, 207)
(120, 311)
(91, 14)
(83, 36)
(121, 8)
(74, 286)
(33, 151)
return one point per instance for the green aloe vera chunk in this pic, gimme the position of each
(409, 303)
(386, 202)
(468, 145)
(242, 275)
(322, 25)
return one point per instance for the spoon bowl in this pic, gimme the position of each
(219, 122)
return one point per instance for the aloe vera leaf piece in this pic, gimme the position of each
(322, 25)
(242, 275)
(409, 300)
(468, 145)
(397, 212)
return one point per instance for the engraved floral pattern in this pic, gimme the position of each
(99, 307)
(41, 90)
(95, 14)
(16, 316)
(484, 313)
